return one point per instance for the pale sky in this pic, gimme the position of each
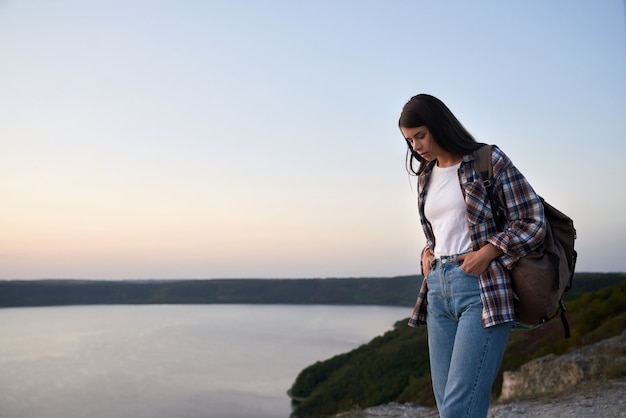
(227, 139)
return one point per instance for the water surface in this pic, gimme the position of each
(170, 360)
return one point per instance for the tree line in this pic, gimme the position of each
(394, 291)
(384, 291)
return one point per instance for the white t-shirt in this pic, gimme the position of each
(446, 211)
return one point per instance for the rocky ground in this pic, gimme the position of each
(588, 400)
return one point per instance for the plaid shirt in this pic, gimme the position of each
(524, 232)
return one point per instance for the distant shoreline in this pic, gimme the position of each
(384, 291)
(393, 291)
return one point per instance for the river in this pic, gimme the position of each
(164, 361)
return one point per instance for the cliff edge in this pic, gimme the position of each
(551, 374)
(587, 383)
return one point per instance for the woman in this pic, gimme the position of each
(466, 299)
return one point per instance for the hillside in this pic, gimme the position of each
(394, 367)
(388, 291)
(393, 291)
(588, 382)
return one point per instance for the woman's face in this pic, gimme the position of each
(421, 141)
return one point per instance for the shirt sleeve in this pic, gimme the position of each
(525, 226)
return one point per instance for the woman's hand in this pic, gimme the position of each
(427, 258)
(477, 262)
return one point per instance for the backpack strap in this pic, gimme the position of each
(484, 168)
(483, 164)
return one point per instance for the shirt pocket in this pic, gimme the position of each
(478, 207)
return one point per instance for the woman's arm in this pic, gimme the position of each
(426, 260)
(525, 227)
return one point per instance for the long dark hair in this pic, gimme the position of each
(444, 127)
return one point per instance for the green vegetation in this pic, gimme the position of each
(589, 282)
(388, 291)
(394, 367)
(391, 368)
(394, 291)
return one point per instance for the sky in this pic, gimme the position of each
(258, 139)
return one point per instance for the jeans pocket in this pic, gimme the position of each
(463, 272)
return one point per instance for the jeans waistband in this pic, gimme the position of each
(448, 259)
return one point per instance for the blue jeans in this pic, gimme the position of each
(464, 356)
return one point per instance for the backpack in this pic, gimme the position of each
(540, 278)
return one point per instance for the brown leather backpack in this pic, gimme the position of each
(541, 277)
